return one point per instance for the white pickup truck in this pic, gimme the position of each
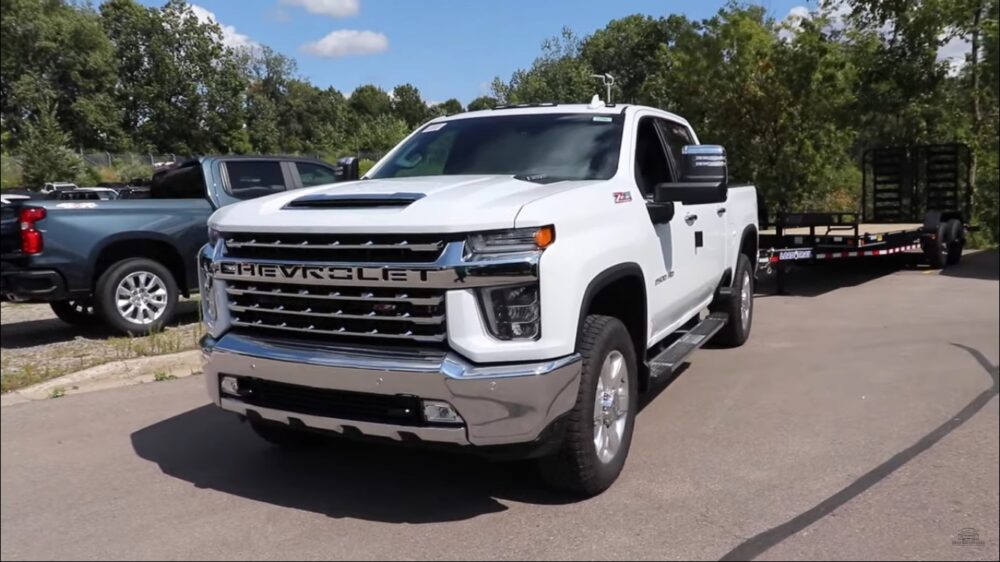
(505, 281)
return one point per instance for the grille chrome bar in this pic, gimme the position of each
(428, 320)
(337, 296)
(436, 338)
(336, 245)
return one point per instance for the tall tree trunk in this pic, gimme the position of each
(977, 114)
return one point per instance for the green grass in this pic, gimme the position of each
(57, 392)
(160, 376)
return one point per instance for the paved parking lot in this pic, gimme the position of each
(860, 421)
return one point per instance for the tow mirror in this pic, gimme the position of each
(704, 177)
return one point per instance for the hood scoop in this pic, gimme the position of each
(354, 200)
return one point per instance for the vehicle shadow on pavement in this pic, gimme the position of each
(212, 449)
(977, 265)
(813, 280)
(30, 333)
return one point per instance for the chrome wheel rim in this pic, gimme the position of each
(746, 300)
(141, 297)
(611, 407)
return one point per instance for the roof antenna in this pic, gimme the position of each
(608, 81)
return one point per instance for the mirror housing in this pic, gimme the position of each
(347, 169)
(704, 177)
(660, 213)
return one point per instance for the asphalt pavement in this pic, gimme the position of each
(859, 422)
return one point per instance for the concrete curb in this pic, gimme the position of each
(110, 375)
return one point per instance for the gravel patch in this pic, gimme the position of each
(37, 346)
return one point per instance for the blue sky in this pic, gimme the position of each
(447, 48)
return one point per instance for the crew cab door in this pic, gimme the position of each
(675, 290)
(706, 221)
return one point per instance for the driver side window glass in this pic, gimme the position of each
(651, 167)
(430, 160)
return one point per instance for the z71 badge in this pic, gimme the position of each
(623, 196)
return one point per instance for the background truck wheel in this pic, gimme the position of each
(738, 306)
(955, 241)
(282, 435)
(77, 313)
(599, 427)
(137, 296)
(936, 250)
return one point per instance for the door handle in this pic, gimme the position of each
(721, 211)
(690, 218)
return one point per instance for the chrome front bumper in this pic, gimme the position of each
(500, 404)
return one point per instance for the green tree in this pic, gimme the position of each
(408, 105)
(559, 75)
(46, 154)
(482, 102)
(626, 48)
(370, 101)
(448, 107)
(379, 134)
(56, 55)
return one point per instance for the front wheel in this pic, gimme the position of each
(137, 296)
(599, 427)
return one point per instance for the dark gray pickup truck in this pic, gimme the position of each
(128, 261)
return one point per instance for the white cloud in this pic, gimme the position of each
(230, 37)
(348, 42)
(332, 8)
(953, 52)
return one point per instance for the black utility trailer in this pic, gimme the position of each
(913, 198)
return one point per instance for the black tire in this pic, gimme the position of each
(576, 467)
(106, 299)
(955, 240)
(282, 435)
(736, 332)
(75, 313)
(936, 250)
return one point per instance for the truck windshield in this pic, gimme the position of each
(571, 146)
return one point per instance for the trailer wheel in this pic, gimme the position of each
(599, 428)
(955, 241)
(936, 250)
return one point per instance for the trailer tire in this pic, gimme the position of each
(738, 306)
(955, 241)
(936, 250)
(582, 466)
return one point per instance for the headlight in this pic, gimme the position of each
(512, 312)
(514, 240)
(215, 317)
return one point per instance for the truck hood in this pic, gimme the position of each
(440, 204)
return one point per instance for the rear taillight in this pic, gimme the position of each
(31, 237)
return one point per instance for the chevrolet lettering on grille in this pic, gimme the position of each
(319, 273)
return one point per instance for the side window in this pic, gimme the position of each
(249, 179)
(677, 137)
(315, 174)
(651, 166)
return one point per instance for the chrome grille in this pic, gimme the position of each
(339, 313)
(384, 248)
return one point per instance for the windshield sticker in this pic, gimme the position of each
(434, 127)
(623, 196)
(602, 119)
(77, 205)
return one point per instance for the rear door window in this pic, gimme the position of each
(248, 179)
